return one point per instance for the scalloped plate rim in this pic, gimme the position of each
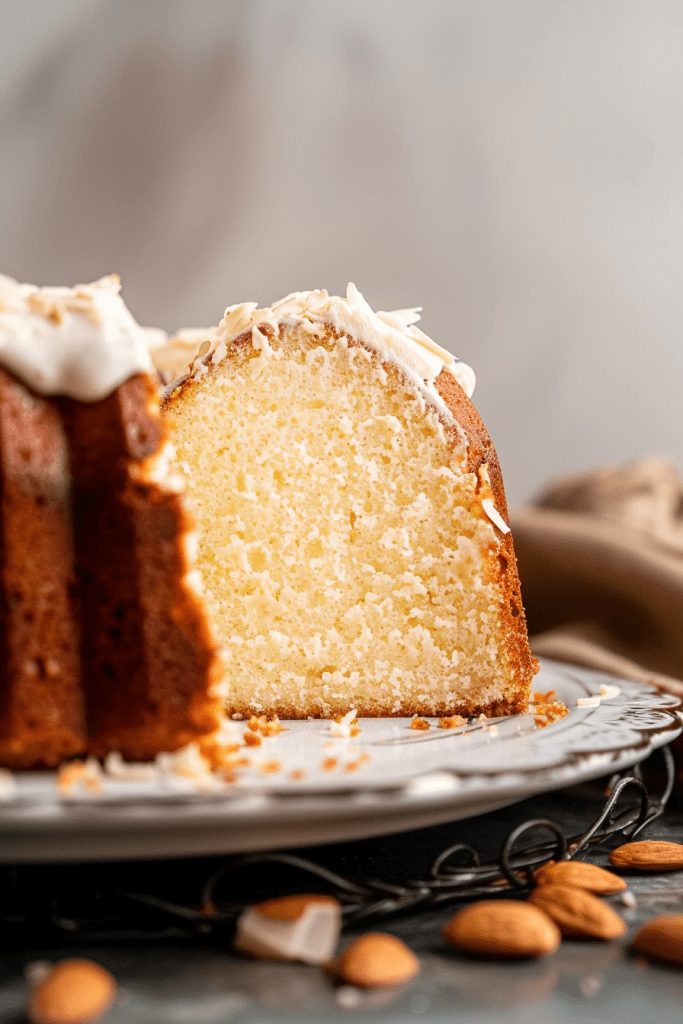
(264, 816)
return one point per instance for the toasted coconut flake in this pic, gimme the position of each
(188, 764)
(342, 728)
(453, 722)
(8, 784)
(546, 714)
(494, 515)
(79, 775)
(116, 768)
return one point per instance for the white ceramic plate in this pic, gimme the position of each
(386, 779)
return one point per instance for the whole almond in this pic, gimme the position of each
(649, 855)
(662, 937)
(579, 875)
(503, 928)
(578, 913)
(375, 960)
(290, 908)
(74, 992)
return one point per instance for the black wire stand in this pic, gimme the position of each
(58, 903)
(511, 874)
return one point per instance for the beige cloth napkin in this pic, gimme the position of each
(601, 564)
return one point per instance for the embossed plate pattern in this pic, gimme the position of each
(304, 787)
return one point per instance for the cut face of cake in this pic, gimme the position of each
(352, 522)
(104, 642)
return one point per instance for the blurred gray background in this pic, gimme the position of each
(513, 166)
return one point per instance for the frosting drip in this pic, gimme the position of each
(79, 342)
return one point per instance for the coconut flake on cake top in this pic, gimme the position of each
(393, 335)
(80, 342)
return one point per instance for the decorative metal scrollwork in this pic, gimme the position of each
(447, 881)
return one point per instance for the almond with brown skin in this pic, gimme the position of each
(74, 992)
(376, 960)
(578, 913)
(580, 876)
(661, 938)
(503, 928)
(648, 855)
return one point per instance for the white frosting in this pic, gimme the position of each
(80, 342)
(392, 335)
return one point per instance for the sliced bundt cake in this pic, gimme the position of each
(353, 529)
(104, 643)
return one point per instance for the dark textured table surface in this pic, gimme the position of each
(172, 974)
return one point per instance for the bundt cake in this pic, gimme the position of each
(353, 535)
(103, 639)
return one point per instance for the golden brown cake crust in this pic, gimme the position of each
(42, 712)
(104, 647)
(480, 453)
(147, 653)
(515, 704)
